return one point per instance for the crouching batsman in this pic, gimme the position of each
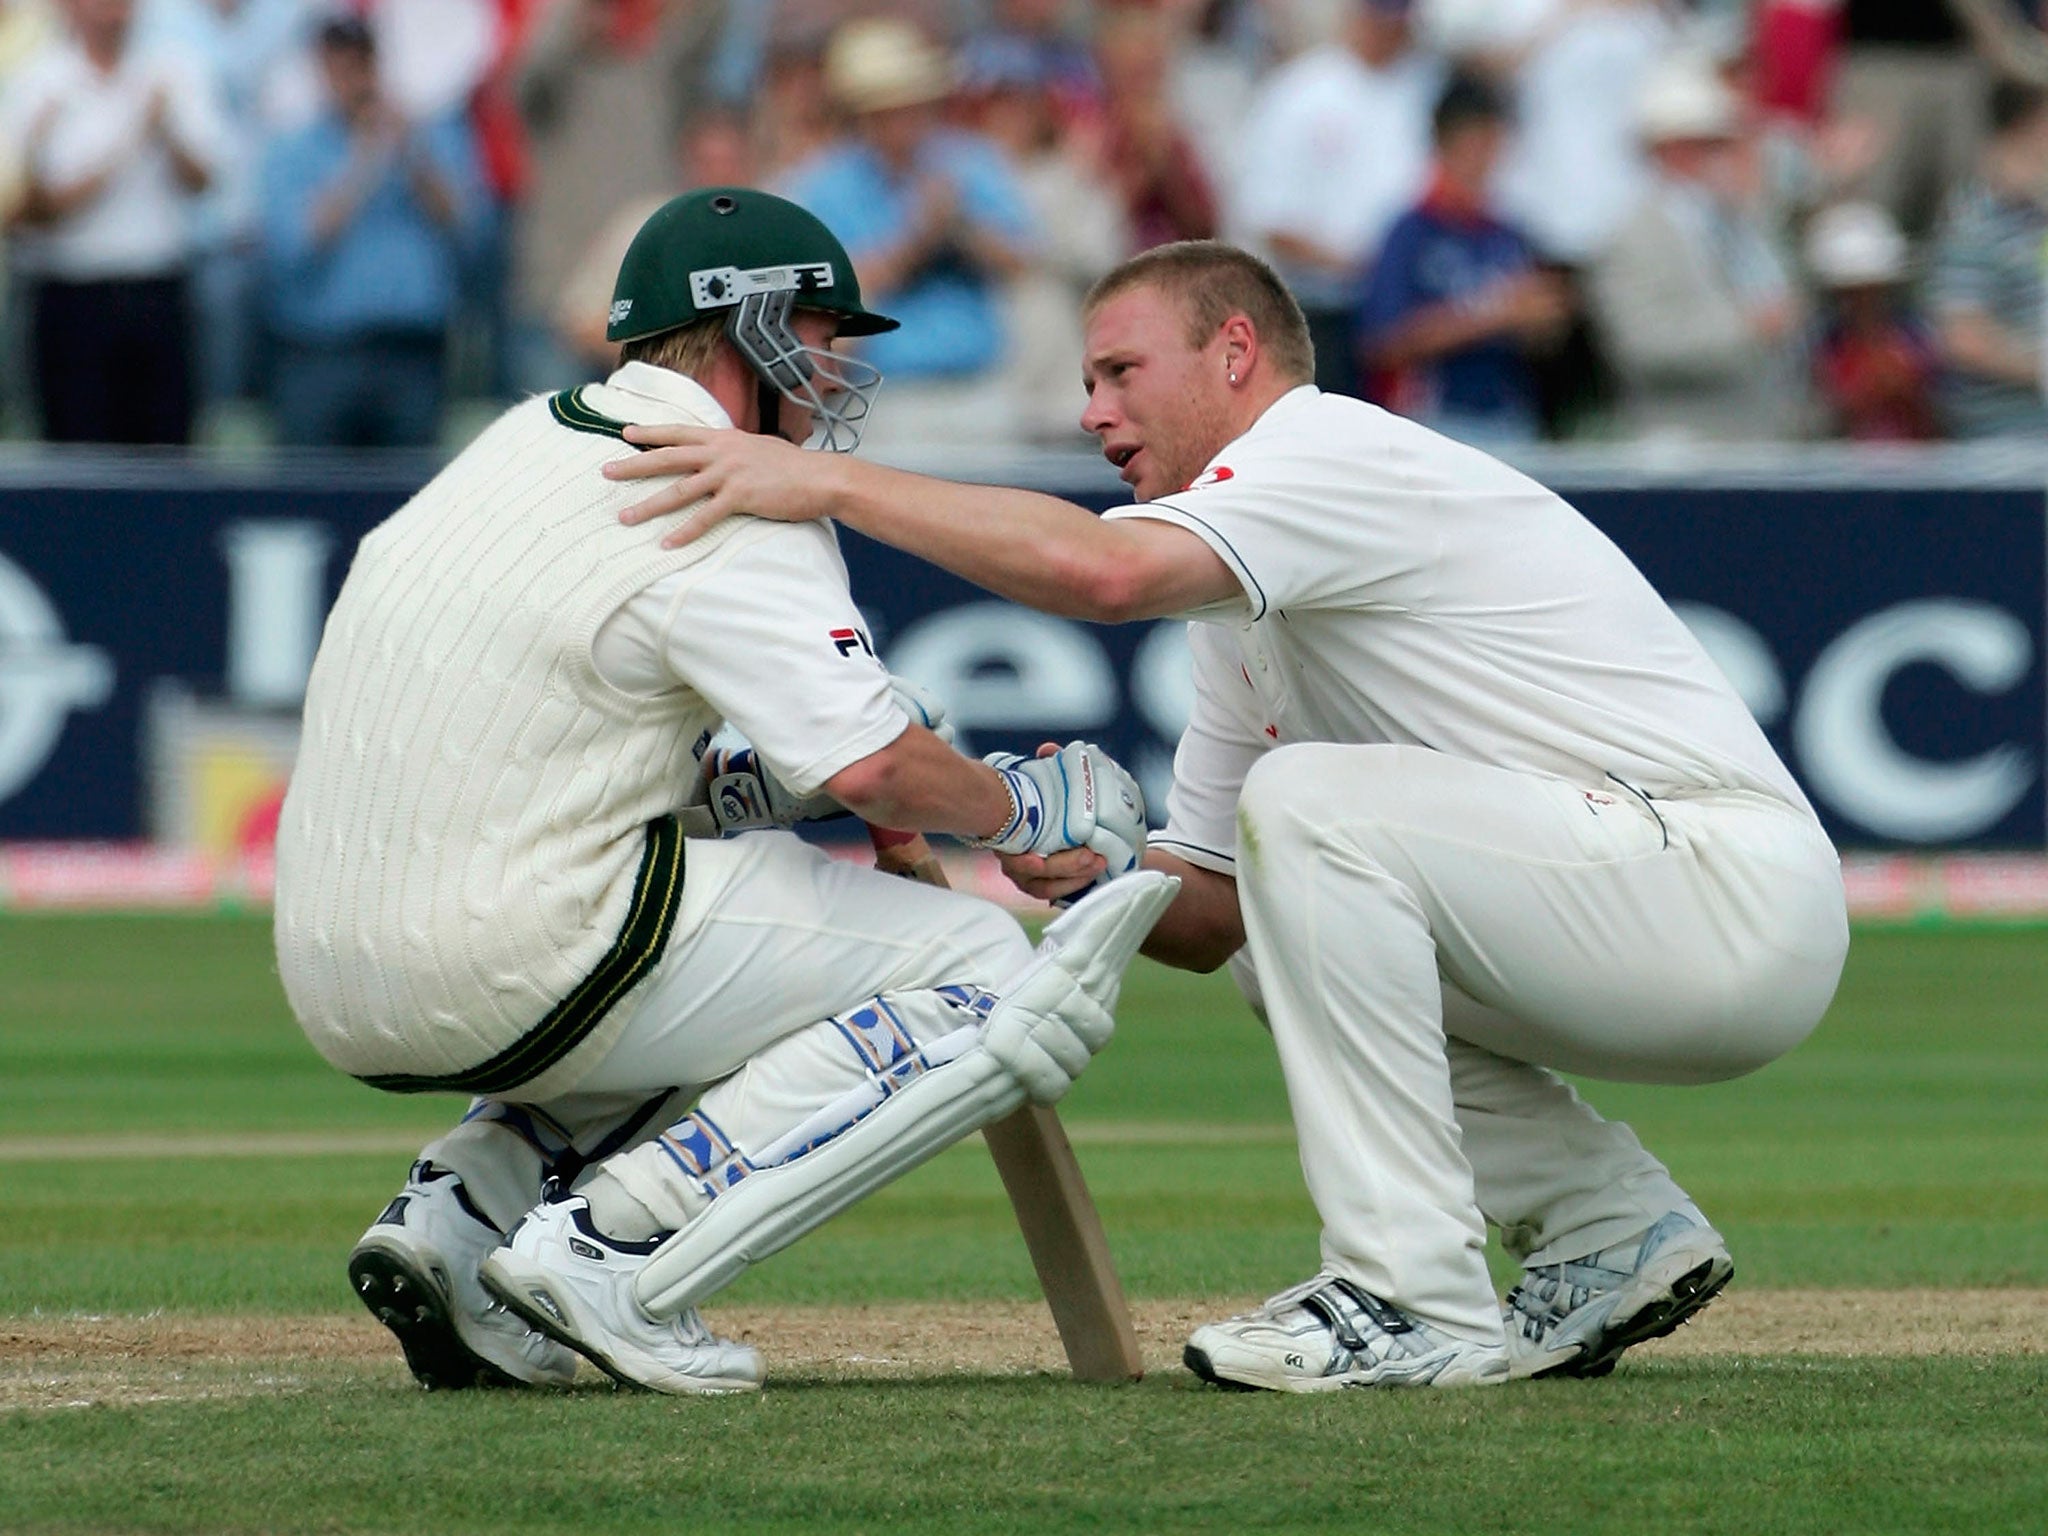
(500, 869)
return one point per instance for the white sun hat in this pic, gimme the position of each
(1855, 245)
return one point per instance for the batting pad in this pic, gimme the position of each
(772, 1207)
(1056, 1014)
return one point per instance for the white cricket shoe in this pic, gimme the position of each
(1329, 1333)
(573, 1283)
(416, 1270)
(1575, 1318)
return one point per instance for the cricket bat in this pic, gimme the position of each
(1061, 1226)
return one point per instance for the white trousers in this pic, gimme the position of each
(1429, 936)
(772, 937)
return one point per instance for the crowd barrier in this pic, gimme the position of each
(1883, 618)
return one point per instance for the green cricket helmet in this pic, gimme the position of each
(755, 258)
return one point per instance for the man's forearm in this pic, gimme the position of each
(1432, 332)
(1307, 253)
(1031, 548)
(995, 252)
(1203, 928)
(437, 199)
(44, 202)
(1975, 343)
(193, 173)
(920, 784)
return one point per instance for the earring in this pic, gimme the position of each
(1233, 378)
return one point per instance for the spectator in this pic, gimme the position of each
(119, 140)
(1456, 301)
(433, 55)
(1219, 55)
(1874, 361)
(365, 218)
(1911, 71)
(1336, 145)
(793, 118)
(24, 29)
(603, 84)
(1166, 193)
(1984, 286)
(1031, 36)
(1696, 310)
(492, 356)
(1804, 153)
(242, 43)
(1080, 215)
(1574, 169)
(936, 224)
(713, 151)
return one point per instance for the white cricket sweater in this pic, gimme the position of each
(467, 885)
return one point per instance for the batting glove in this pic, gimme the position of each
(1079, 797)
(744, 796)
(924, 707)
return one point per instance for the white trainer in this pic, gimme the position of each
(1575, 1318)
(1330, 1332)
(573, 1283)
(416, 1270)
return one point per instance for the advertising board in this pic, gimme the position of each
(155, 636)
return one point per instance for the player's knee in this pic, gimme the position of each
(1303, 790)
(1288, 798)
(996, 940)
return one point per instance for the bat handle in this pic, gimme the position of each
(891, 837)
(906, 854)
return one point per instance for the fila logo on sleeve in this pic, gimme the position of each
(847, 641)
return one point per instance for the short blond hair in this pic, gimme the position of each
(1211, 282)
(685, 349)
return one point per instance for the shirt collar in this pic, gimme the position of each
(1279, 410)
(641, 392)
(1452, 205)
(1286, 405)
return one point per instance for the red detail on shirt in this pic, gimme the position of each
(1454, 204)
(503, 144)
(1879, 383)
(1216, 476)
(1273, 731)
(1794, 47)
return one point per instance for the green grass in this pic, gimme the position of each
(1906, 1144)
(1941, 1446)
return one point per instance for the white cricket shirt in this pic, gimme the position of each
(1333, 152)
(72, 121)
(1400, 587)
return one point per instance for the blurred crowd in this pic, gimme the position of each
(1729, 220)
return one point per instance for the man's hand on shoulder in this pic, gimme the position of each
(714, 472)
